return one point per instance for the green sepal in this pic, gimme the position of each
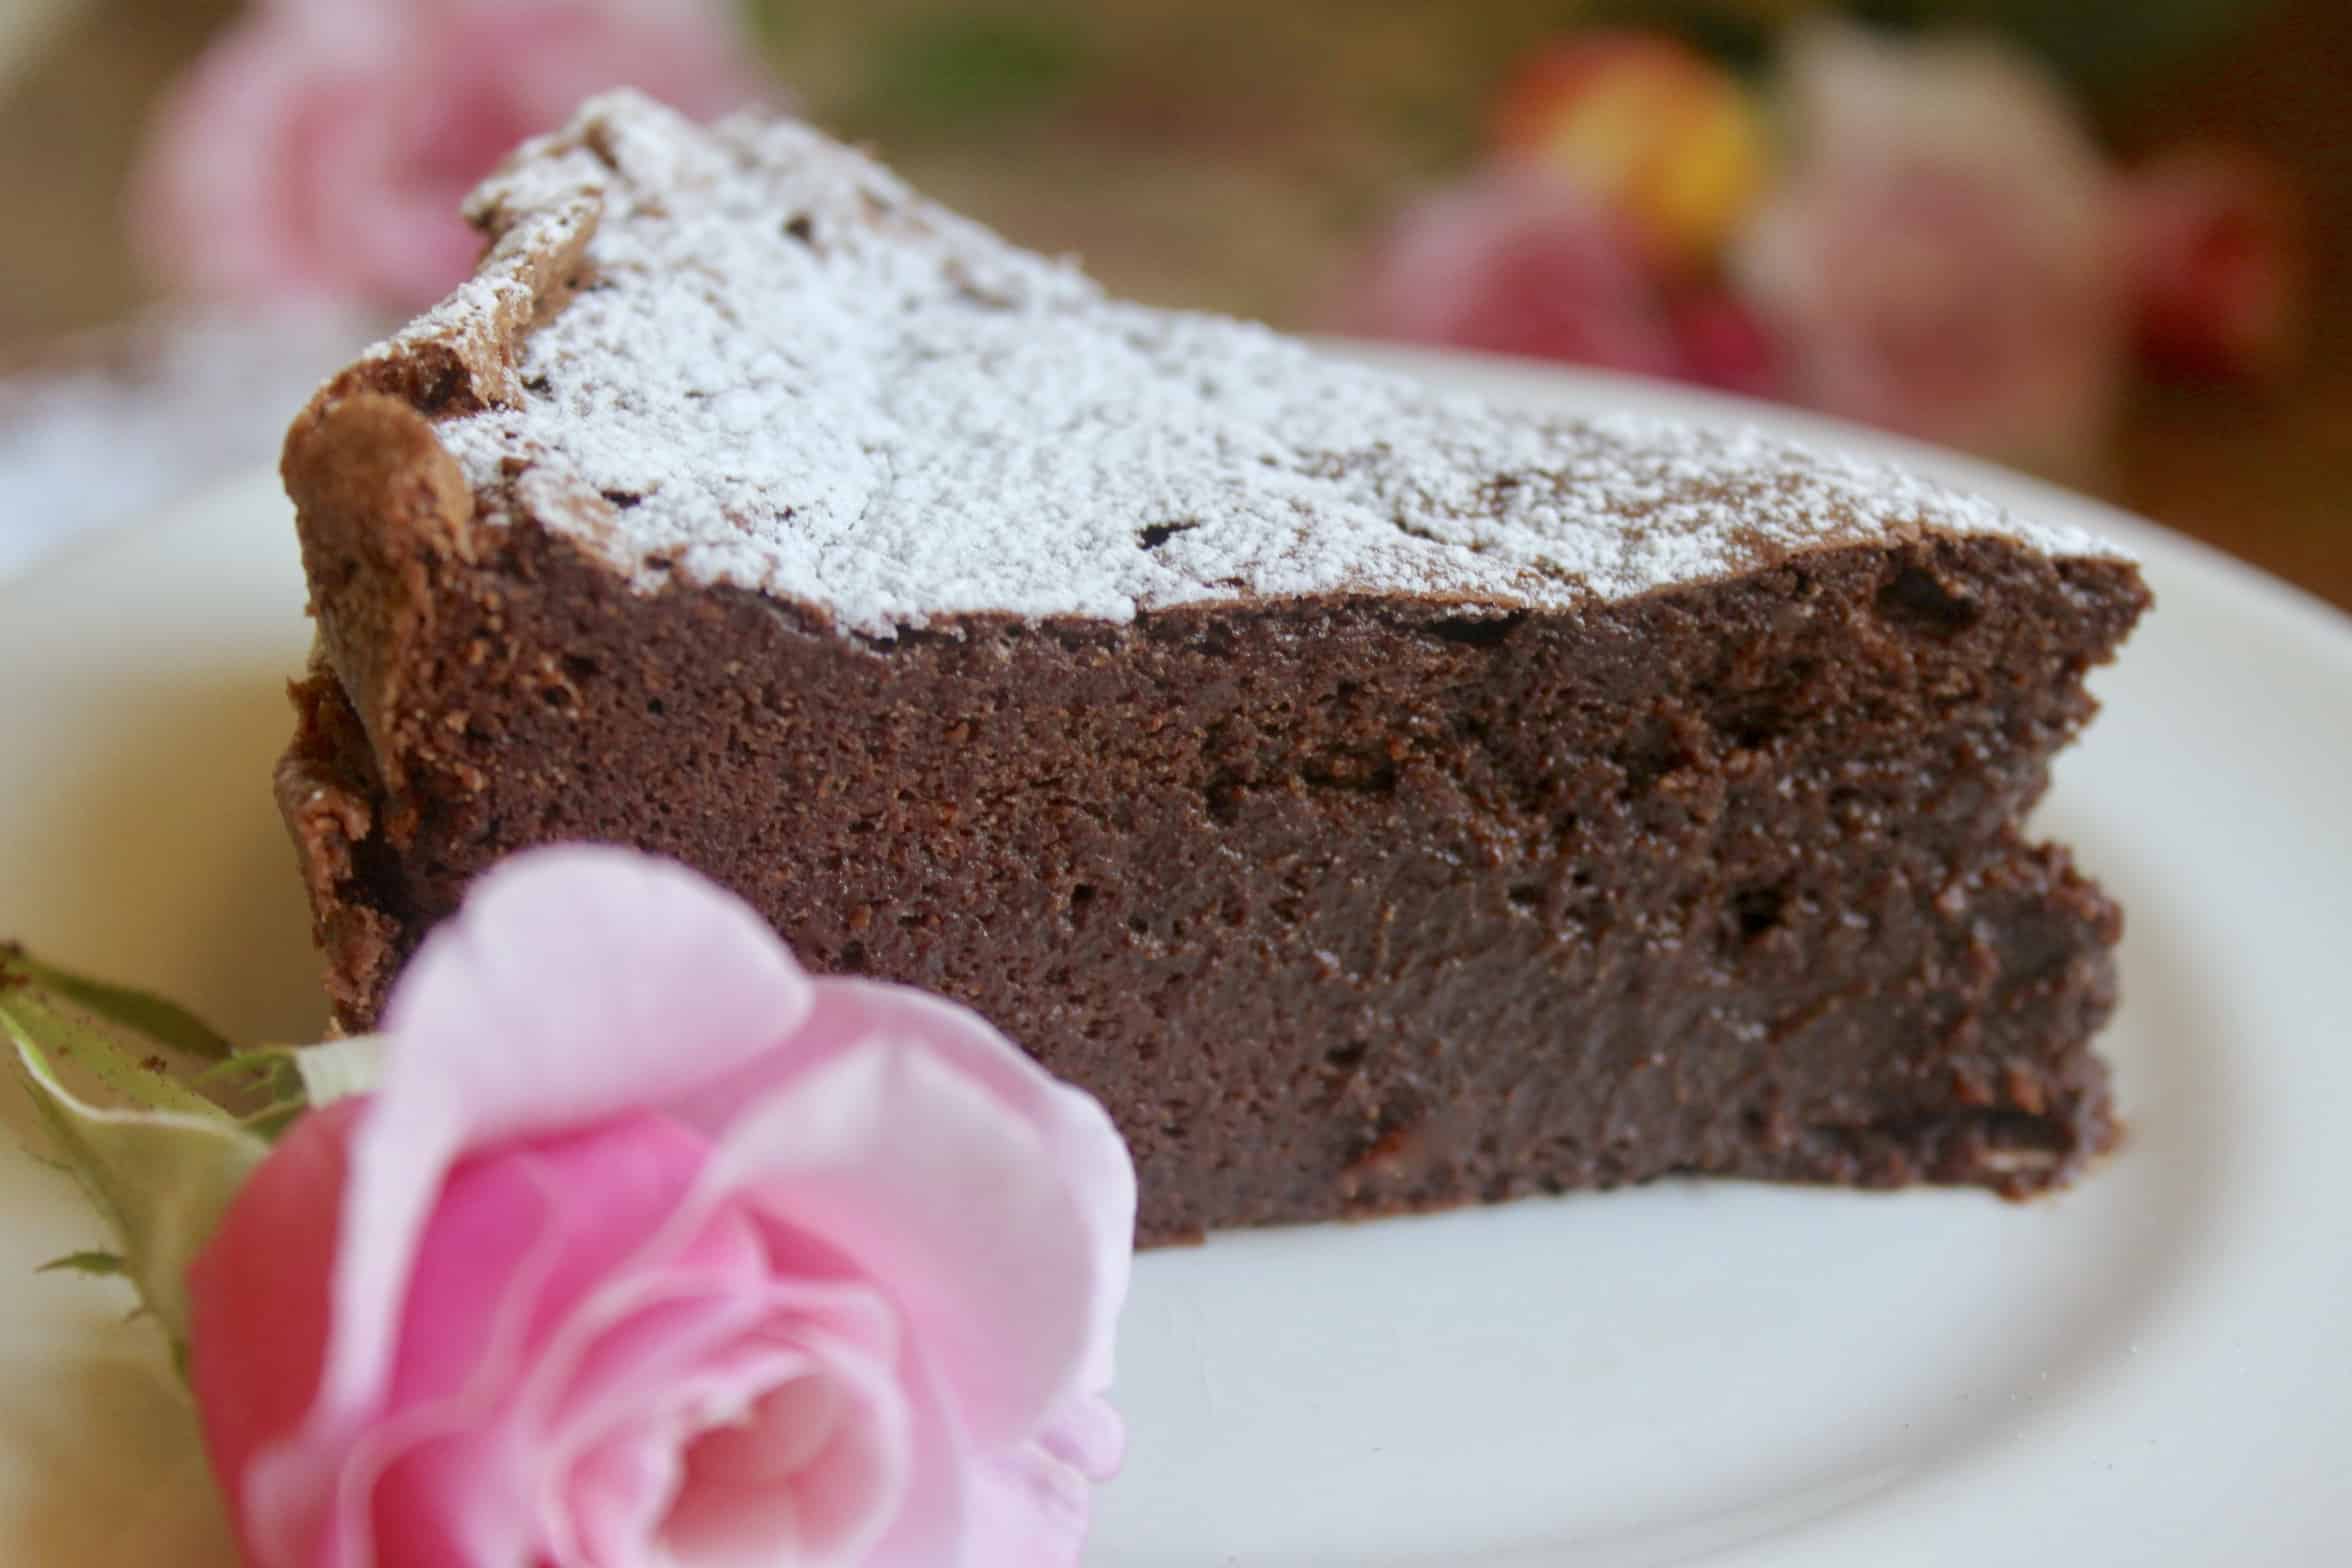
(161, 1170)
(287, 1080)
(263, 1086)
(156, 1018)
(160, 1158)
(101, 1264)
(143, 1079)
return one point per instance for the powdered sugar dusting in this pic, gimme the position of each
(787, 372)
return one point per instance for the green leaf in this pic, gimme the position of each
(161, 1171)
(144, 1080)
(157, 1018)
(99, 1263)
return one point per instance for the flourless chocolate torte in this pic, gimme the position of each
(1378, 798)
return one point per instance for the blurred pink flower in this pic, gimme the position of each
(1516, 260)
(650, 1248)
(323, 147)
(1942, 256)
(1724, 346)
(2217, 247)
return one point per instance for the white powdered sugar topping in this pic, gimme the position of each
(785, 371)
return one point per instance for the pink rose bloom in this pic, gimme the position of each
(1941, 257)
(324, 147)
(1517, 260)
(651, 1249)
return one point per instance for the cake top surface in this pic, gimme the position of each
(749, 355)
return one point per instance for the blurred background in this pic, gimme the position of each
(2104, 240)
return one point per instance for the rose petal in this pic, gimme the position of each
(816, 1469)
(650, 1323)
(262, 1265)
(566, 1288)
(445, 1500)
(610, 1503)
(696, 1439)
(1031, 1506)
(353, 30)
(634, 1393)
(1087, 1435)
(1939, 257)
(527, 1234)
(218, 142)
(571, 986)
(515, 1240)
(709, 1300)
(551, 55)
(1028, 1508)
(933, 1524)
(951, 1203)
(575, 980)
(1080, 1142)
(1517, 261)
(249, 185)
(393, 228)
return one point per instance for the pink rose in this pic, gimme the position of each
(651, 1249)
(1941, 257)
(1517, 260)
(326, 146)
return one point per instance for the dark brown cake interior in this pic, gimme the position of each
(1341, 906)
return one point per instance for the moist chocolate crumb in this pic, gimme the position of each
(1378, 799)
(1687, 883)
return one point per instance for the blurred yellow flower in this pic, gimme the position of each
(1649, 126)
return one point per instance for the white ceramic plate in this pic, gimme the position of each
(2155, 1369)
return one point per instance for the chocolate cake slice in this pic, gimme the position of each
(1380, 799)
